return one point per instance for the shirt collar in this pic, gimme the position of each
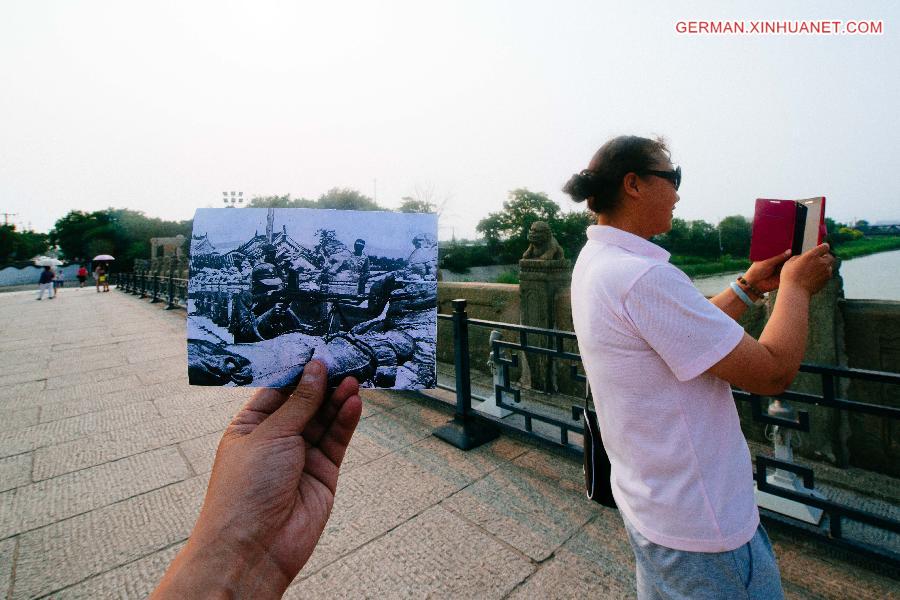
(628, 241)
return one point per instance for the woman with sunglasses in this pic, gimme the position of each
(660, 359)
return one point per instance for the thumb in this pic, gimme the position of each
(777, 259)
(292, 417)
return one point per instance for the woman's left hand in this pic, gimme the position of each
(765, 275)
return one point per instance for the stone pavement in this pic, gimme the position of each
(105, 453)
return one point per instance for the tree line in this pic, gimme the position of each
(17, 247)
(125, 233)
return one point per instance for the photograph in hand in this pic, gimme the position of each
(272, 288)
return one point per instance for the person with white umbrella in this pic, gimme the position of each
(101, 273)
(45, 283)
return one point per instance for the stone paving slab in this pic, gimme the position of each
(22, 391)
(15, 471)
(435, 554)
(810, 574)
(112, 445)
(51, 500)
(82, 387)
(24, 360)
(16, 418)
(136, 580)
(7, 561)
(72, 550)
(526, 511)
(201, 452)
(87, 378)
(598, 558)
(174, 405)
(64, 430)
(127, 390)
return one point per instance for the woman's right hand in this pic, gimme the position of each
(810, 270)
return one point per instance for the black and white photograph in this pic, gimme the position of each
(272, 288)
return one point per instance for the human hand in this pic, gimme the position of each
(811, 270)
(270, 492)
(764, 275)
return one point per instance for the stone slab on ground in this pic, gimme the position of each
(435, 554)
(104, 465)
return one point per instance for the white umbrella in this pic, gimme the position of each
(47, 261)
(103, 257)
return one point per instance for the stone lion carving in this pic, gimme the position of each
(543, 246)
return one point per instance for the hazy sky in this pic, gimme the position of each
(161, 106)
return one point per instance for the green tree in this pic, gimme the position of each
(75, 231)
(677, 239)
(507, 231)
(413, 205)
(123, 233)
(571, 231)
(280, 202)
(346, 199)
(703, 240)
(7, 243)
(735, 231)
(336, 198)
(20, 245)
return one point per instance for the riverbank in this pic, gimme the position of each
(866, 246)
(695, 266)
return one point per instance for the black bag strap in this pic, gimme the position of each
(599, 490)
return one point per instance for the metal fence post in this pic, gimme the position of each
(171, 293)
(466, 430)
(155, 294)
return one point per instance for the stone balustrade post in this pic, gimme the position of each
(539, 282)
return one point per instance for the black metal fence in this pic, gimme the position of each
(159, 288)
(470, 428)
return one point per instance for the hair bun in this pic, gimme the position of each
(581, 186)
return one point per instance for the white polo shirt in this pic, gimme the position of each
(681, 470)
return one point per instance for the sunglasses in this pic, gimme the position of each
(673, 176)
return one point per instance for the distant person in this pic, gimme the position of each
(270, 492)
(82, 275)
(102, 277)
(59, 280)
(660, 357)
(45, 283)
(98, 270)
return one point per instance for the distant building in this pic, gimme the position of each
(884, 228)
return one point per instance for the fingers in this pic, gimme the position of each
(333, 443)
(263, 403)
(266, 400)
(777, 259)
(301, 406)
(329, 410)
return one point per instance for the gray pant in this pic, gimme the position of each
(749, 572)
(48, 287)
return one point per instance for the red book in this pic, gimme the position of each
(782, 224)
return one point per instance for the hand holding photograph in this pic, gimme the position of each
(271, 289)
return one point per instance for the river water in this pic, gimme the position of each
(873, 277)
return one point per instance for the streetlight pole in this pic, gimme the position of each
(232, 199)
